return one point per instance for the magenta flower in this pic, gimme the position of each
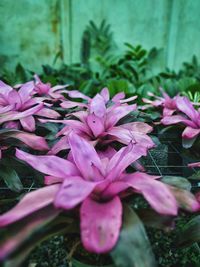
(166, 102)
(46, 91)
(187, 116)
(18, 108)
(99, 122)
(96, 182)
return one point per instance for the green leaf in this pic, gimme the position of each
(153, 219)
(190, 233)
(187, 143)
(11, 178)
(177, 181)
(133, 248)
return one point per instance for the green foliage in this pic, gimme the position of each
(101, 64)
(133, 241)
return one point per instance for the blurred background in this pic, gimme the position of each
(44, 35)
(34, 31)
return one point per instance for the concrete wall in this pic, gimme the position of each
(34, 31)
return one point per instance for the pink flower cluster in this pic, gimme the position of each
(179, 110)
(100, 145)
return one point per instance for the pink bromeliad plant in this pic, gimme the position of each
(18, 108)
(95, 182)
(188, 116)
(165, 102)
(100, 120)
(48, 92)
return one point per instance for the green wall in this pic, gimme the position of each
(34, 31)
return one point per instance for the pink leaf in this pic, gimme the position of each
(125, 136)
(30, 203)
(100, 224)
(71, 104)
(122, 159)
(97, 106)
(184, 105)
(48, 113)
(96, 124)
(62, 144)
(117, 113)
(105, 94)
(155, 192)
(77, 94)
(190, 132)
(176, 119)
(26, 90)
(132, 98)
(85, 156)
(72, 192)
(138, 126)
(11, 116)
(50, 165)
(28, 123)
(195, 164)
(118, 97)
(32, 140)
(5, 89)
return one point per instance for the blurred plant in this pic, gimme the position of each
(194, 97)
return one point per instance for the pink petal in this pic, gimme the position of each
(123, 158)
(50, 165)
(48, 180)
(168, 111)
(100, 224)
(28, 123)
(190, 132)
(97, 106)
(72, 192)
(26, 90)
(176, 119)
(85, 156)
(71, 104)
(32, 140)
(75, 125)
(77, 94)
(58, 87)
(118, 97)
(184, 105)
(108, 153)
(132, 98)
(27, 227)
(117, 113)
(137, 126)
(48, 113)
(4, 88)
(96, 124)
(125, 136)
(30, 203)
(12, 125)
(62, 144)
(185, 199)
(105, 94)
(15, 99)
(155, 192)
(7, 108)
(81, 115)
(11, 116)
(114, 189)
(195, 164)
